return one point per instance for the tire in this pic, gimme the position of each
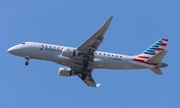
(26, 63)
(85, 63)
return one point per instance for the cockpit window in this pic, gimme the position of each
(23, 43)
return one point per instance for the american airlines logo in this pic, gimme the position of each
(50, 48)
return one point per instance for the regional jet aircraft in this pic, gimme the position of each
(82, 60)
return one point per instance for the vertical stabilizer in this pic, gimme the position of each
(154, 55)
(158, 46)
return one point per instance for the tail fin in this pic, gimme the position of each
(154, 55)
(154, 49)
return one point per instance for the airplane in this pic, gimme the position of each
(82, 60)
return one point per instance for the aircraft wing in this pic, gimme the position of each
(87, 50)
(91, 44)
(89, 80)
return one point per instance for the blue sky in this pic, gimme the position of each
(136, 25)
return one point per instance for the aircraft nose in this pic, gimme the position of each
(16, 50)
(11, 50)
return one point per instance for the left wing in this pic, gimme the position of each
(91, 45)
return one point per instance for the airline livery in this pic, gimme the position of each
(82, 60)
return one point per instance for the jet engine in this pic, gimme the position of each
(69, 53)
(66, 72)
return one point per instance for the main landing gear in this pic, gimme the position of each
(83, 77)
(27, 60)
(84, 69)
(85, 63)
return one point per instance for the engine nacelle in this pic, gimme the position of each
(66, 72)
(69, 53)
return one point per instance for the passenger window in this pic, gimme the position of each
(108, 54)
(23, 43)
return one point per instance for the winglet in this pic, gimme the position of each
(97, 85)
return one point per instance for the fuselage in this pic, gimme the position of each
(53, 53)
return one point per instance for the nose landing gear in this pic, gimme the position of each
(27, 62)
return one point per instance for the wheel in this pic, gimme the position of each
(83, 77)
(85, 63)
(26, 63)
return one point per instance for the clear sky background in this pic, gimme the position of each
(136, 25)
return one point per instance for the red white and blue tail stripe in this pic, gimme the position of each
(152, 50)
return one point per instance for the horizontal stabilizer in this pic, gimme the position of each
(157, 71)
(157, 58)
